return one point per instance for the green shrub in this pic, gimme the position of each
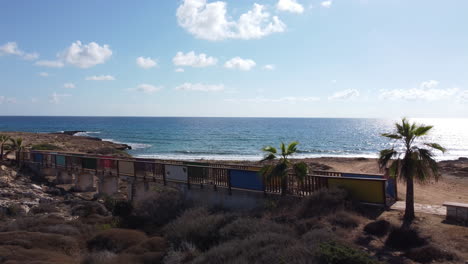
(244, 227)
(45, 146)
(196, 226)
(428, 254)
(323, 202)
(35, 240)
(377, 228)
(115, 240)
(404, 239)
(334, 253)
(87, 208)
(345, 219)
(259, 248)
(157, 209)
(120, 208)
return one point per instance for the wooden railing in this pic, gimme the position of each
(196, 173)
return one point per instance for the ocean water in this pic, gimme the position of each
(243, 138)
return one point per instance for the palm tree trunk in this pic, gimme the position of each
(409, 209)
(284, 186)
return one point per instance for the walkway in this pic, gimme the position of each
(421, 208)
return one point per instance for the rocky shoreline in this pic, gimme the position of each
(69, 141)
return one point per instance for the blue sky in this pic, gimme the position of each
(291, 58)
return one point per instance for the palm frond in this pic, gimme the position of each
(436, 146)
(292, 148)
(267, 157)
(385, 156)
(392, 136)
(269, 149)
(422, 130)
(300, 169)
(283, 148)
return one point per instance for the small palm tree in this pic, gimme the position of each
(17, 146)
(413, 162)
(283, 166)
(3, 139)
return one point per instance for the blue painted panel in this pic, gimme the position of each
(60, 160)
(390, 187)
(37, 157)
(246, 180)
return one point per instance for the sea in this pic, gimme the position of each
(217, 138)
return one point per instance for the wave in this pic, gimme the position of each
(85, 134)
(133, 145)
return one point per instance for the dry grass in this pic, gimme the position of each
(35, 240)
(115, 240)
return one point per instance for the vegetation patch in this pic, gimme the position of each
(377, 228)
(323, 202)
(345, 219)
(246, 226)
(115, 240)
(46, 146)
(334, 253)
(404, 239)
(428, 254)
(198, 227)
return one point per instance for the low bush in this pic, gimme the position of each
(35, 240)
(120, 208)
(100, 257)
(159, 208)
(87, 208)
(428, 254)
(345, 219)
(45, 146)
(334, 253)
(323, 202)
(244, 227)
(115, 240)
(15, 210)
(196, 226)
(33, 223)
(44, 208)
(377, 228)
(17, 254)
(153, 244)
(315, 237)
(404, 239)
(260, 248)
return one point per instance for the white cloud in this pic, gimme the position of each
(43, 74)
(200, 87)
(463, 96)
(429, 84)
(179, 70)
(426, 91)
(50, 63)
(11, 48)
(210, 21)
(146, 88)
(344, 95)
(69, 85)
(86, 55)
(269, 67)
(146, 63)
(100, 78)
(286, 99)
(290, 6)
(56, 98)
(326, 4)
(193, 60)
(240, 64)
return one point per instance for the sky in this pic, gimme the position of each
(264, 58)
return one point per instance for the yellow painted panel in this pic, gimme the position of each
(370, 191)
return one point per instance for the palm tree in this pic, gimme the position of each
(413, 162)
(282, 167)
(17, 146)
(3, 140)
